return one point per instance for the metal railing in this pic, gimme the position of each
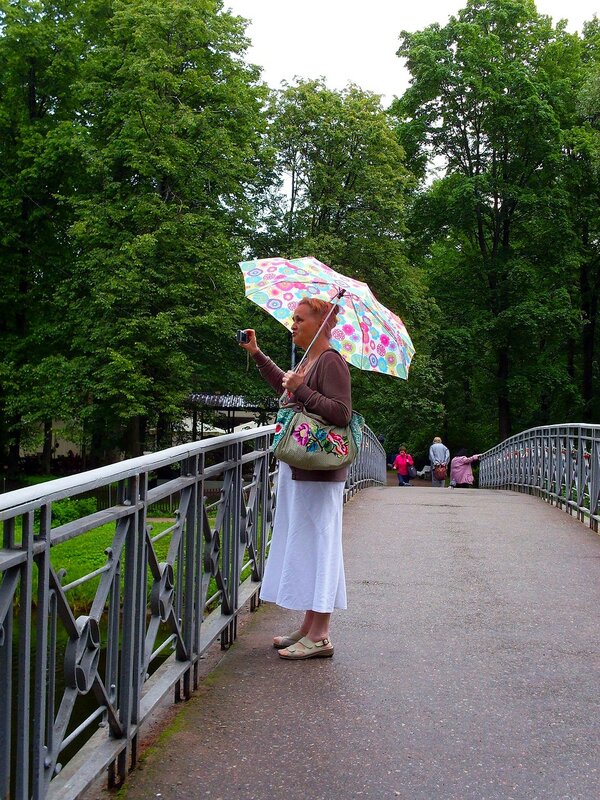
(369, 469)
(65, 717)
(560, 463)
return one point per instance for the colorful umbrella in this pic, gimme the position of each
(368, 335)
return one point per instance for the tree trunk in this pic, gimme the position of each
(96, 456)
(290, 230)
(14, 449)
(589, 308)
(571, 358)
(504, 415)
(164, 437)
(47, 451)
(134, 436)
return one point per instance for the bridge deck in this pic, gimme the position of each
(466, 668)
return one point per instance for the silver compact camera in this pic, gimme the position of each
(242, 337)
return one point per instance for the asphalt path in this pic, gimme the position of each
(466, 668)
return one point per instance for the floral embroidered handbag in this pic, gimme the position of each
(308, 442)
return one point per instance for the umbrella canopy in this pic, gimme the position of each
(367, 334)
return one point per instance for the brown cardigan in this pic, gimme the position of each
(326, 393)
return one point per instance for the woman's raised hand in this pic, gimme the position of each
(251, 346)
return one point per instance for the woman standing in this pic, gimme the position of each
(402, 462)
(305, 568)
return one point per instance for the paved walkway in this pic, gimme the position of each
(466, 668)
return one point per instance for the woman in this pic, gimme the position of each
(401, 464)
(461, 472)
(305, 569)
(439, 458)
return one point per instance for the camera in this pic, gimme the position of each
(242, 337)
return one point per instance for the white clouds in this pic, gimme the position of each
(347, 41)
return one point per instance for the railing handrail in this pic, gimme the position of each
(560, 426)
(560, 463)
(91, 479)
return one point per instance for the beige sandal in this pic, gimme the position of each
(306, 648)
(279, 642)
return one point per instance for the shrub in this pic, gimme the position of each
(68, 510)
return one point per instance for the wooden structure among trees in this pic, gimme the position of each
(228, 405)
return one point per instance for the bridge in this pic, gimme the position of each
(465, 666)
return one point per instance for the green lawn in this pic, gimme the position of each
(86, 553)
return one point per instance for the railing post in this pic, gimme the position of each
(39, 745)
(198, 595)
(6, 700)
(130, 649)
(189, 565)
(22, 791)
(7, 590)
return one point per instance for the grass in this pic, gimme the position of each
(86, 553)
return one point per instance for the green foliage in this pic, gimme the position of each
(492, 96)
(133, 135)
(174, 149)
(338, 155)
(40, 57)
(68, 510)
(141, 158)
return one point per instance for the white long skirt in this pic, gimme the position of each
(305, 566)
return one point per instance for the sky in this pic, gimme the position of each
(347, 41)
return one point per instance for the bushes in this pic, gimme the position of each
(68, 510)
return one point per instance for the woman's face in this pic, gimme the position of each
(402, 451)
(305, 325)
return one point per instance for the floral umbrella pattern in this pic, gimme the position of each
(367, 335)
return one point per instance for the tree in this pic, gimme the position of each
(488, 97)
(346, 187)
(581, 178)
(133, 161)
(171, 128)
(40, 57)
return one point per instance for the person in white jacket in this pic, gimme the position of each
(439, 455)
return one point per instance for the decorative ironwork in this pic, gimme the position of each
(560, 463)
(369, 469)
(158, 600)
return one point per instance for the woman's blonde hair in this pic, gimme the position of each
(437, 440)
(321, 308)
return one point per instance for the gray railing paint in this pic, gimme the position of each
(124, 696)
(560, 463)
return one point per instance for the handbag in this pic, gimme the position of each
(307, 441)
(439, 472)
(412, 471)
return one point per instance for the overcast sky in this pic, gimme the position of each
(349, 41)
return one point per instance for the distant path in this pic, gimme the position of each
(466, 668)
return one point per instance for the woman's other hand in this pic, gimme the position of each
(292, 380)
(251, 346)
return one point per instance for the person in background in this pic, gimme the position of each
(461, 472)
(439, 456)
(401, 464)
